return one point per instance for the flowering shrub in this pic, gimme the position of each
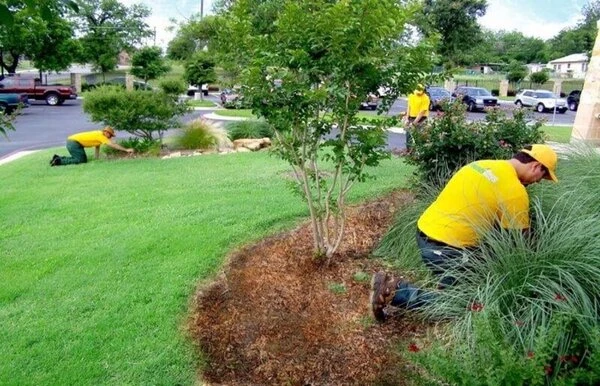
(448, 141)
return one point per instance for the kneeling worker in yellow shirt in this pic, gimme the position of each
(481, 195)
(77, 143)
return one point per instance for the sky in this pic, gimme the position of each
(536, 18)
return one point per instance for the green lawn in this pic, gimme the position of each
(201, 103)
(100, 261)
(560, 134)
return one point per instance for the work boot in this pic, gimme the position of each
(383, 289)
(55, 161)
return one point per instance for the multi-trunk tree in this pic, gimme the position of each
(305, 67)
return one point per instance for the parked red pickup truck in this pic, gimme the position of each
(53, 95)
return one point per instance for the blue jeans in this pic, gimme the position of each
(441, 259)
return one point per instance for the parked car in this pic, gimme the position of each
(370, 103)
(541, 100)
(34, 89)
(438, 96)
(573, 100)
(476, 98)
(10, 102)
(193, 90)
(232, 99)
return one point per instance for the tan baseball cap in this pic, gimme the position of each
(109, 130)
(545, 155)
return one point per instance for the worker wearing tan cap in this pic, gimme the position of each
(77, 143)
(480, 196)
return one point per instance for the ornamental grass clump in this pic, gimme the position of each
(530, 282)
(203, 135)
(539, 293)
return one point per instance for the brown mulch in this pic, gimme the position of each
(277, 315)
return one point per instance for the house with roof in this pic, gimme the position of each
(571, 66)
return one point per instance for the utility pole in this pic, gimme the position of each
(201, 9)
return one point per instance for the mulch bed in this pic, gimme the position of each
(277, 315)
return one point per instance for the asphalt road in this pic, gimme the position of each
(41, 126)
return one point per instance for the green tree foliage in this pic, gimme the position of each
(578, 39)
(516, 72)
(200, 69)
(192, 36)
(147, 63)
(109, 27)
(141, 113)
(173, 87)
(539, 77)
(43, 8)
(45, 38)
(305, 67)
(456, 23)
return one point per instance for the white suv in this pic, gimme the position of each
(541, 100)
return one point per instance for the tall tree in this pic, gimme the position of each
(43, 8)
(108, 28)
(45, 37)
(456, 23)
(194, 35)
(147, 63)
(578, 39)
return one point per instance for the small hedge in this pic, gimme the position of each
(249, 129)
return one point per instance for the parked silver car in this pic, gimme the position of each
(541, 100)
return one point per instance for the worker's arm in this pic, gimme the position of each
(119, 147)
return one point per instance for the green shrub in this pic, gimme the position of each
(201, 134)
(141, 113)
(249, 129)
(448, 141)
(173, 86)
(143, 146)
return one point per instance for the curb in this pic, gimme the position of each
(17, 155)
(216, 117)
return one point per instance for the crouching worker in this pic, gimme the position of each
(77, 143)
(481, 195)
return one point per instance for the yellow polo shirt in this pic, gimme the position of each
(477, 197)
(90, 138)
(418, 103)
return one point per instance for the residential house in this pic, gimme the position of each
(571, 66)
(536, 67)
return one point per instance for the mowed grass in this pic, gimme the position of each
(99, 262)
(560, 134)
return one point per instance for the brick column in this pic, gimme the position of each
(76, 82)
(557, 87)
(503, 88)
(129, 82)
(587, 125)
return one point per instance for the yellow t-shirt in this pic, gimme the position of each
(90, 138)
(418, 103)
(477, 197)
